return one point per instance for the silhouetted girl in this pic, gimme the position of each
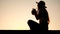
(42, 16)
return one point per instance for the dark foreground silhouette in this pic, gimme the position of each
(42, 16)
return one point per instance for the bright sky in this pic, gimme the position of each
(14, 14)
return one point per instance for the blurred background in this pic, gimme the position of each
(14, 14)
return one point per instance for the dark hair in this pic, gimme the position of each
(41, 4)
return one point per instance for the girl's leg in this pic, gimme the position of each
(32, 24)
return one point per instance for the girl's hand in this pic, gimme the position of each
(33, 12)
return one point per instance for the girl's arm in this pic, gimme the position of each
(34, 12)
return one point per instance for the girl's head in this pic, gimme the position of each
(41, 4)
